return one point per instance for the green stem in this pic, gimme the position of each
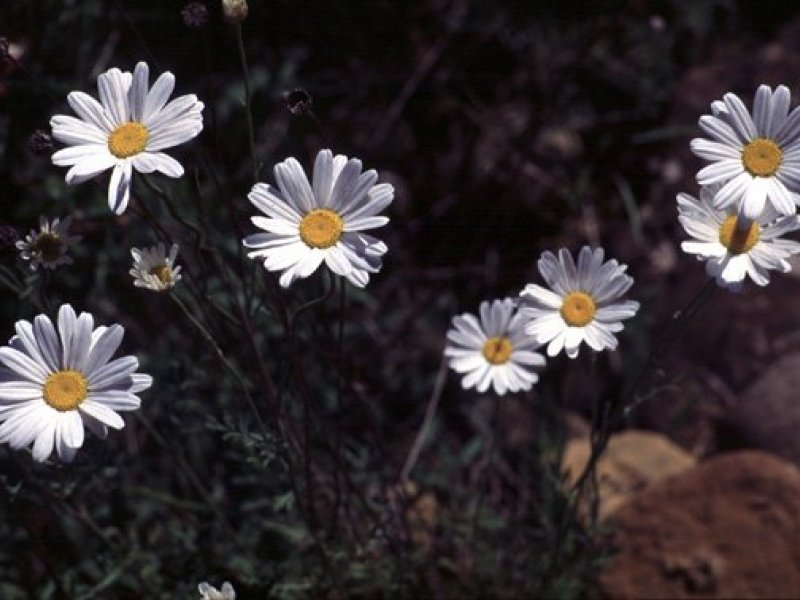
(247, 100)
(427, 421)
(8, 279)
(224, 359)
(187, 469)
(607, 412)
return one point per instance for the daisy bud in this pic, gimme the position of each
(195, 14)
(40, 142)
(298, 101)
(8, 237)
(235, 11)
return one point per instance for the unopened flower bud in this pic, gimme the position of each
(235, 11)
(298, 101)
(40, 142)
(195, 14)
(8, 236)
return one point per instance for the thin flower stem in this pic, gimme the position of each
(201, 235)
(292, 320)
(606, 412)
(483, 476)
(615, 410)
(248, 109)
(245, 275)
(680, 320)
(225, 361)
(130, 22)
(427, 421)
(197, 231)
(44, 286)
(337, 450)
(187, 469)
(242, 306)
(8, 279)
(296, 368)
(340, 340)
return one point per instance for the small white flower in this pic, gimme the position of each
(581, 304)
(495, 350)
(153, 269)
(126, 130)
(55, 382)
(756, 158)
(307, 224)
(732, 252)
(48, 246)
(209, 592)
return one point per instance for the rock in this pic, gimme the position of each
(768, 415)
(632, 460)
(728, 528)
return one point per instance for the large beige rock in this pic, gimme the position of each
(728, 528)
(632, 460)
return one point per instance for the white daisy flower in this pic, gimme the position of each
(48, 246)
(322, 221)
(733, 252)
(209, 592)
(154, 269)
(55, 382)
(755, 159)
(581, 304)
(126, 130)
(493, 350)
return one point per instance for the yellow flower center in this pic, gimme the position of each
(128, 139)
(762, 157)
(321, 228)
(163, 272)
(47, 247)
(65, 390)
(497, 350)
(578, 309)
(738, 241)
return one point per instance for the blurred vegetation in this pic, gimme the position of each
(506, 128)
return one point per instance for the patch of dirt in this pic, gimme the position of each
(728, 528)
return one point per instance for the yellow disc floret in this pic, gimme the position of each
(321, 228)
(128, 139)
(578, 309)
(163, 272)
(497, 350)
(47, 247)
(762, 157)
(736, 240)
(65, 390)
